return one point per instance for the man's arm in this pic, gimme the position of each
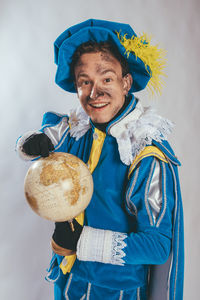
(150, 201)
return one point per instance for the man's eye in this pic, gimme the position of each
(86, 82)
(108, 80)
(83, 82)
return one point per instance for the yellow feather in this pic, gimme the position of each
(152, 56)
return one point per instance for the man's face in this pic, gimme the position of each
(100, 86)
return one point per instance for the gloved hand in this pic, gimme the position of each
(67, 235)
(38, 144)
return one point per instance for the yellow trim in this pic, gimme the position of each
(70, 260)
(98, 141)
(148, 151)
(97, 145)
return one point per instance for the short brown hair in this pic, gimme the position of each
(94, 47)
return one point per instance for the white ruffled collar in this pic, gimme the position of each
(79, 122)
(133, 132)
(137, 130)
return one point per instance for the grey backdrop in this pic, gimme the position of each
(27, 31)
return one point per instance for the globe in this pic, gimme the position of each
(58, 187)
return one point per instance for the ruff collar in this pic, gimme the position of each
(132, 133)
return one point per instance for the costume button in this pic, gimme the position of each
(95, 136)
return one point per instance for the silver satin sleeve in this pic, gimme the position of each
(155, 191)
(56, 132)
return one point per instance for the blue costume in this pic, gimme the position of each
(131, 246)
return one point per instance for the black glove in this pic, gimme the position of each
(67, 235)
(38, 144)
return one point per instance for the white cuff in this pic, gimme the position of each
(20, 143)
(100, 245)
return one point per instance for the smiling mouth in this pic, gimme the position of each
(98, 105)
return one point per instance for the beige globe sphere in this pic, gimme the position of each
(58, 187)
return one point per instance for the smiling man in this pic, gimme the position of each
(128, 243)
(101, 87)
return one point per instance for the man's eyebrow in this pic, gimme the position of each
(100, 71)
(82, 75)
(107, 71)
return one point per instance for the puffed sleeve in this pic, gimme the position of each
(150, 199)
(55, 126)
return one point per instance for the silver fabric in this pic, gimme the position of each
(56, 132)
(155, 191)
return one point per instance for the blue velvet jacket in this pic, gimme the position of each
(136, 200)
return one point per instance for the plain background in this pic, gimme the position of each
(27, 32)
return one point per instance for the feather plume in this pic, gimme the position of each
(151, 55)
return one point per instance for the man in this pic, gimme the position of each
(129, 240)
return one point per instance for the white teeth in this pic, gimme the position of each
(98, 104)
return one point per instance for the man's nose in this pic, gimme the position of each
(95, 91)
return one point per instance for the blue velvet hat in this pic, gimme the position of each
(136, 50)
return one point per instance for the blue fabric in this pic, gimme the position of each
(55, 275)
(91, 291)
(54, 272)
(118, 204)
(98, 31)
(150, 244)
(51, 119)
(176, 279)
(59, 287)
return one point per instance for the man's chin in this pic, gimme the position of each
(99, 118)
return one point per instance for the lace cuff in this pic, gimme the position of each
(103, 246)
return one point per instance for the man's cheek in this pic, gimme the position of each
(109, 91)
(79, 92)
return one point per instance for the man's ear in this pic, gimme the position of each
(127, 83)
